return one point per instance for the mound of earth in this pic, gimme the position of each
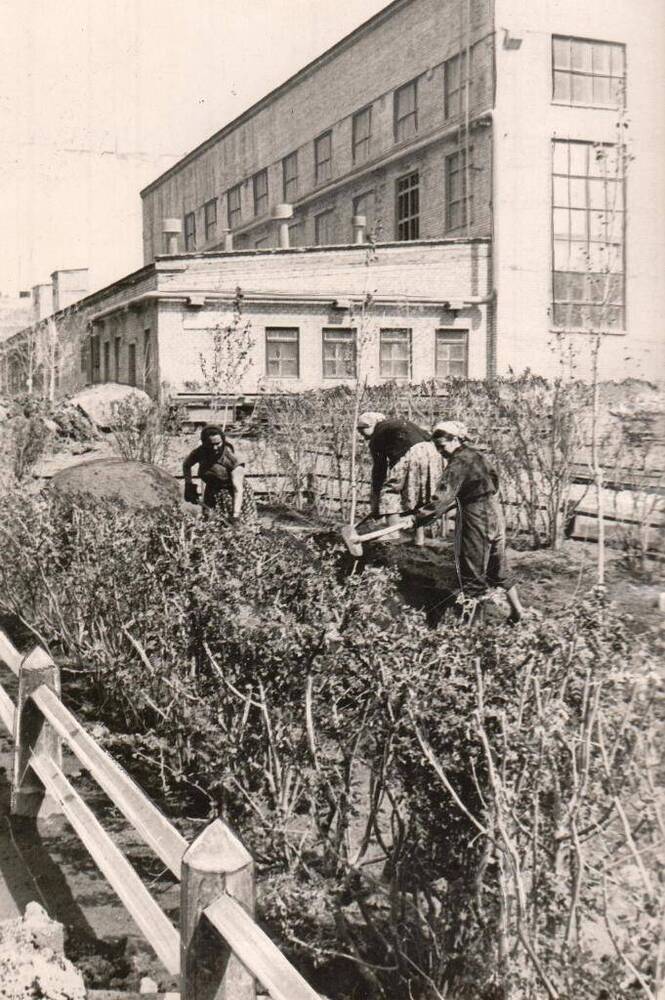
(136, 484)
(96, 402)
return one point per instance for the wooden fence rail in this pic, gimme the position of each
(219, 950)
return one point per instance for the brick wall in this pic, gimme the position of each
(412, 41)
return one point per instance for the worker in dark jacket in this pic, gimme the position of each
(223, 475)
(405, 464)
(470, 483)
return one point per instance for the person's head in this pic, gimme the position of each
(367, 422)
(212, 438)
(449, 435)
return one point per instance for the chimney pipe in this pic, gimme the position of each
(359, 223)
(228, 241)
(171, 228)
(282, 213)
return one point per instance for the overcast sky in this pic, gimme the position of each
(97, 97)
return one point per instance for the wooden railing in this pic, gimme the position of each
(219, 951)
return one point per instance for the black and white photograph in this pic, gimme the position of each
(332, 500)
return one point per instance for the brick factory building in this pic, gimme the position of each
(487, 151)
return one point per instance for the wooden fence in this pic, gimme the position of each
(219, 951)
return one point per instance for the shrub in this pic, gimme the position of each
(141, 428)
(28, 442)
(453, 813)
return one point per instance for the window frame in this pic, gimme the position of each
(363, 142)
(106, 366)
(382, 342)
(399, 120)
(233, 208)
(210, 223)
(466, 199)
(277, 330)
(117, 353)
(460, 60)
(259, 197)
(321, 175)
(353, 340)
(131, 363)
(457, 336)
(190, 234)
(571, 72)
(290, 180)
(327, 215)
(409, 219)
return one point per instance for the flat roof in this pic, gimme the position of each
(339, 46)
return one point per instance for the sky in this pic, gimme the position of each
(98, 97)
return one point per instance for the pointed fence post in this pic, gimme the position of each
(33, 735)
(216, 863)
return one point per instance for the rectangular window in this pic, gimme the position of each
(361, 134)
(83, 358)
(234, 205)
(295, 235)
(459, 201)
(190, 232)
(395, 354)
(406, 111)
(408, 207)
(282, 352)
(260, 189)
(455, 85)
(147, 356)
(323, 157)
(290, 177)
(210, 219)
(587, 72)
(323, 228)
(339, 352)
(116, 357)
(131, 364)
(451, 354)
(95, 359)
(588, 229)
(107, 361)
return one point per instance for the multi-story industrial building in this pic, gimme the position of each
(520, 138)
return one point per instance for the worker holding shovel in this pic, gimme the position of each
(470, 483)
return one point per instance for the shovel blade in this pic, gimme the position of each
(350, 539)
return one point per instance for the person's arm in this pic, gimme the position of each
(238, 486)
(379, 473)
(191, 490)
(445, 495)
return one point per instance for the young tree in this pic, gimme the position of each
(225, 366)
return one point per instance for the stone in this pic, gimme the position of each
(97, 401)
(31, 960)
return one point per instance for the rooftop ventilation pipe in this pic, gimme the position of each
(282, 213)
(171, 229)
(359, 223)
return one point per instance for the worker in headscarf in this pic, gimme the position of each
(223, 475)
(405, 464)
(470, 483)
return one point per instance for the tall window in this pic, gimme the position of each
(395, 354)
(131, 363)
(406, 111)
(323, 228)
(295, 234)
(361, 128)
(210, 219)
(290, 176)
(260, 189)
(454, 85)
(323, 157)
(588, 228)
(282, 352)
(234, 206)
(459, 200)
(451, 354)
(190, 231)
(339, 352)
(107, 361)
(117, 343)
(95, 359)
(408, 207)
(147, 356)
(588, 72)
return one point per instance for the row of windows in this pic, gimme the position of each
(105, 361)
(339, 353)
(405, 126)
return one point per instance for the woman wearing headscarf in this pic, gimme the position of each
(405, 465)
(470, 482)
(224, 476)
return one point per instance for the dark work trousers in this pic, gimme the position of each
(480, 547)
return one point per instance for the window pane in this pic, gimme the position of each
(581, 55)
(598, 193)
(578, 224)
(561, 53)
(562, 87)
(577, 193)
(578, 255)
(561, 255)
(617, 60)
(578, 153)
(560, 192)
(601, 58)
(602, 91)
(560, 158)
(561, 222)
(581, 89)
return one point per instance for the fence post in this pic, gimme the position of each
(216, 863)
(33, 735)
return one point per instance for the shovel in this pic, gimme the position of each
(354, 541)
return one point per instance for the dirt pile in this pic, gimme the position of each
(136, 484)
(31, 959)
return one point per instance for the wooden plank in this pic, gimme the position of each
(7, 711)
(257, 952)
(145, 817)
(153, 923)
(33, 735)
(9, 654)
